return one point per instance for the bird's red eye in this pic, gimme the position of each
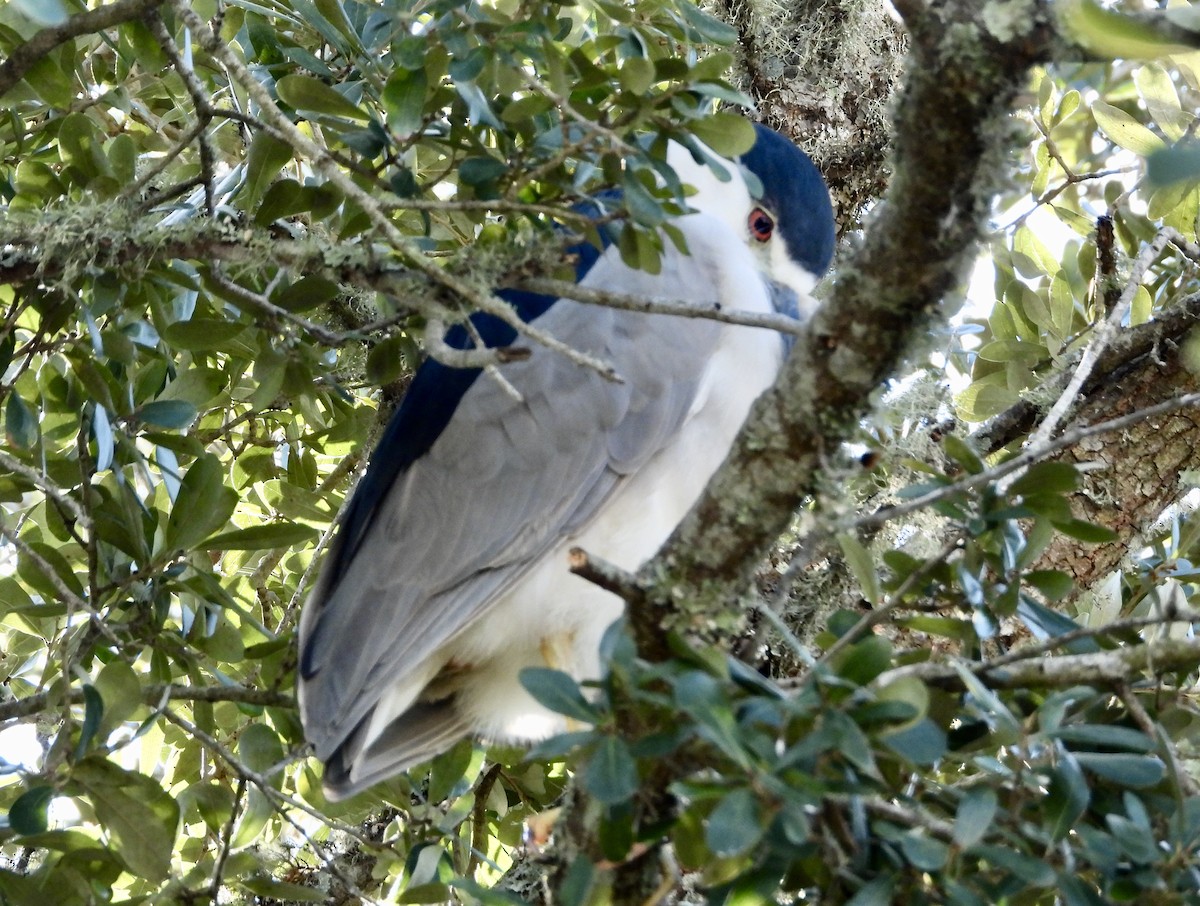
(762, 224)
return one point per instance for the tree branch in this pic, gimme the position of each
(1117, 667)
(153, 695)
(26, 55)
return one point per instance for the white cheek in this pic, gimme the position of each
(782, 268)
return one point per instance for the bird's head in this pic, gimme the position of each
(774, 199)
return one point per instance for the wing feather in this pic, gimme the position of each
(502, 483)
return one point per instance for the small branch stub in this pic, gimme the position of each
(606, 575)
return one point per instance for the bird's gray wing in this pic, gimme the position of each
(504, 481)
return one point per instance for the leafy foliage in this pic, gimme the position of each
(223, 254)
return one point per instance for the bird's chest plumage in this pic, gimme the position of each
(552, 618)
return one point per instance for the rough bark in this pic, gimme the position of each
(1131, 476)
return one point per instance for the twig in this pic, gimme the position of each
(894, 600)
(265, 306)
(479, 831)
(227, 840)
(1111, 667)
(910, 816)
(606, 575)
(28, 53)
(480, 357)
(1026, 457)
(46, 486)
(200, 101)
(134, 189)
(278, 799)
(151, 695)
(66, 594)
(661, 306)
(1183, 780)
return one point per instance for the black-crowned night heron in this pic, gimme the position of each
(449, 572)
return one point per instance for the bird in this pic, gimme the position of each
(448, 572)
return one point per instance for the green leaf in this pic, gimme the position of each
(1111, 35)
(636, 75)
(922, 743)
(489, 896)
(859, 559)
(93, 711)
(20, 424)
(986, 397)
(1137, 841)
(555, 747)
(1046, 623)
(974, 816)
(266, 157)
(643, 207)
(305, 92)
(610, 774)
(136, 810)
(261, 537)
(32, 574)
(333, 12)
(1067, 796)
(559, 692)
(1134, 771)
(924, 852)
(1053, 583)
(404, 100)
(735, 825)
(451, 773)
(480, 171)
(525, 109)
(259, 747)
(80, 145)
(307, 292)
(168, 413)
(702, 697)
(202, 334)
(51, 83)
(27, 815)
(1028, 354)
(1032, 871)
(1174, 164)
(254, 817)
(1161, 100)
(706, 27)
(1106, 736)
(1047, 478)
(386, 361)
(865, 660)
(1123, 130)
(962, 452)
(728, 134)
(213, 801)
(875, 893)
(1085, 531)
(202, 505)
(270, 890)
(121, 691)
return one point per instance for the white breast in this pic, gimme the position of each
(634, 523)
